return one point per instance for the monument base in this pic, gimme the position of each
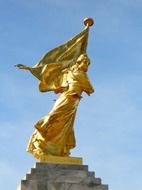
(47, 176)
(61, 160)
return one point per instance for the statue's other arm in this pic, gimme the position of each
(86, 84)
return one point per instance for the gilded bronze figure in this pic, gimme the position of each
(62, 70)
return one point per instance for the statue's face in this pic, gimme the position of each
(84, 63)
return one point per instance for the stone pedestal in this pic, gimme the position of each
(46, 176)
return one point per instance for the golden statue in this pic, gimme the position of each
(62, 70)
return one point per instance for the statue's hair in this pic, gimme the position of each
(79, 59)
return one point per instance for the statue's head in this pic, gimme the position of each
(83, 62)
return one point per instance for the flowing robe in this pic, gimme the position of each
(54, 134)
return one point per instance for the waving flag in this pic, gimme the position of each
(49, 69)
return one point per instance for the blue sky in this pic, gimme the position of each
(108, 125)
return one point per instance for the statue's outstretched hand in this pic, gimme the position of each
(20, 66)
